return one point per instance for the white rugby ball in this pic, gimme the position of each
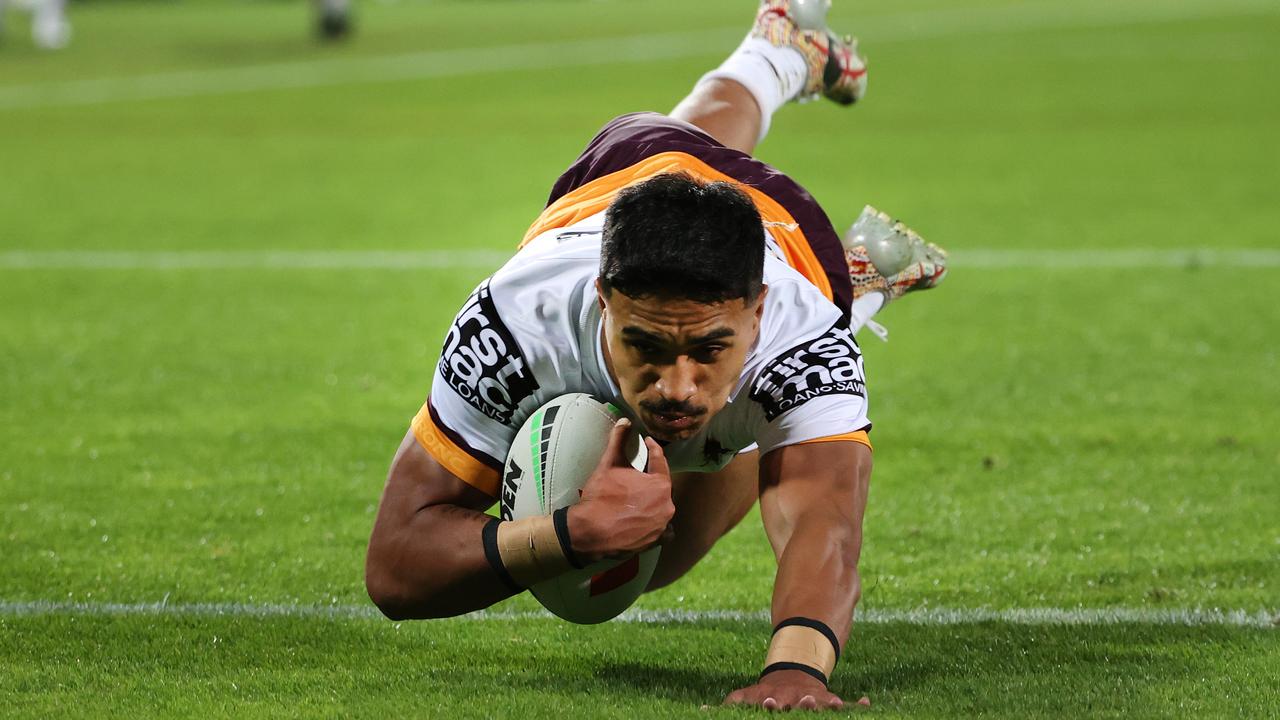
(550, 460)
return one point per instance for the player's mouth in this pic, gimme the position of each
(672, 423)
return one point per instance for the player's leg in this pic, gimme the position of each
(790, 54)
(708, 505)
(725, 110)
(333, 18)
(49, 27)
(718, 125)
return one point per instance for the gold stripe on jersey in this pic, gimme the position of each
(453, 458)
(596, 195)
(859, 436)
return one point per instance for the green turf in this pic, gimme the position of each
(541, 669)
(1102, 438)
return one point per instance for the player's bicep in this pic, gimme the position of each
(466, 445)
(417, 479)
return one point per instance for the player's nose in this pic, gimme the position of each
(678, 381)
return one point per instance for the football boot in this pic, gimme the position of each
(886, 256)
(836, 71)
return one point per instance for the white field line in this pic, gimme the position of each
(991, 259)
(1191, 617)
(891, 28)
(1125, 258)
(372, 69)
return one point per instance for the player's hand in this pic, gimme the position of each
(623, 511)
(788, 690)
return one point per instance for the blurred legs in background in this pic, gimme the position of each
(333, 18)
(49, 27)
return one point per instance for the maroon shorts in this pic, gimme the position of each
(629, 139)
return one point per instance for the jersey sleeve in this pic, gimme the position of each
(480, 385)
(814, 391)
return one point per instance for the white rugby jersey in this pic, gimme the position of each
(532, 332)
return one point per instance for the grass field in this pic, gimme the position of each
(228, 257)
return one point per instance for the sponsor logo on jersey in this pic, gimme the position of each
(828, 365)
(482, 362)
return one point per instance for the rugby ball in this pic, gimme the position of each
(550, 460)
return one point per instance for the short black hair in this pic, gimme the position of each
(674, 235)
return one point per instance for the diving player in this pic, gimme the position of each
(707, 295)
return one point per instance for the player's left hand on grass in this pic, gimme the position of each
(789, 690)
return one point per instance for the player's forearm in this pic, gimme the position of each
(813, 507)
(818, 570)
(814, 594)
(433, 565)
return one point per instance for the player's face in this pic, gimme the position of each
(677, 360)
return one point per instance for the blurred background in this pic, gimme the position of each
(230, 246)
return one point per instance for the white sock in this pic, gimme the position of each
(863, 308)
(773, 75)
(49, 27)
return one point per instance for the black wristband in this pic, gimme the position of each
(812, 625)
(811, 671)
(489, 537)
(560, 520)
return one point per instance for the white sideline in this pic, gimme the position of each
(875, 29)
(1190, 617)
(989, 259)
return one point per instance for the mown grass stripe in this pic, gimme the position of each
(251, 259)
(982, 259)
(889, 28)
(1266, 619)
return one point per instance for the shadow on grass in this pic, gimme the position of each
(993, 668)
(545, 668)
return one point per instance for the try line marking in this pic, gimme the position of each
(873, 30)
(991, 259)
(1194, 617)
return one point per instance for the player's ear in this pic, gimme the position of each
(764, 290)
(600, 295)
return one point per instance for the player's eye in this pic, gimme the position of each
(644, 349)
(707, 353)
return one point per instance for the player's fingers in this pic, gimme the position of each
(737, 697)
(615, 451)
(657, 459)
(864, 701)
(808, 702)
(666, 537)
(770, 704)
